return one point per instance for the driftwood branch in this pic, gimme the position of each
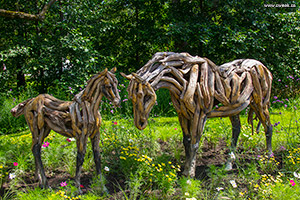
(199, 90)
(79, 118)
(27, 16)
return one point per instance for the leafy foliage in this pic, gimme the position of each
(79, 38)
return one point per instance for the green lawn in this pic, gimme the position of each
(147, 164)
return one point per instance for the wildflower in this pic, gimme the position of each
(297, 175)
(279, 80)
(106, 168)
(124, 100)
(233, 183)
(292, 182)
(12, 175)
(272, 154)
(186, 194)
(111, 111)
(122, 157)
(170, 162)
(1, 166)
(63, 184)
(175, 129)
(193, 198)
(275, 97)
(16, 164)
(285, 105)
(115, 123)
(70, 88)
(232, 156)
(81, 186)
(295, 107)
(130, 141)
(70, 139)
(46, 144)
(189, 182)
(282, 148)
(219, 189)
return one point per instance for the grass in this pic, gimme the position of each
(147, 164)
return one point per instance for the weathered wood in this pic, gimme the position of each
(188, 97)
(79, 118)
(196, 85)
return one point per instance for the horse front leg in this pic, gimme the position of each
(191, 143)
(96, 151)
(39, 169)
(81, 150)
(38, 136)
(236, 129)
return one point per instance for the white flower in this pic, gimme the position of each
(130, 141)
(233, 183)
(232, 156)
(297, 175)
(186, 194)
(12, 175)
(106, 168)
(189, 182)
(193, 198)
(219, 189)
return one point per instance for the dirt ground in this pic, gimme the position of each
(209, 154)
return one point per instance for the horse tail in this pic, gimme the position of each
(18, 110)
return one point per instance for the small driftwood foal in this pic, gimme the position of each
(79, 118)
(196, 87)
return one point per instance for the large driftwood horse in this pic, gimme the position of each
(196, 86)
(79, 118)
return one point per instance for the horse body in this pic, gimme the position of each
(79, 118)
(199, 90)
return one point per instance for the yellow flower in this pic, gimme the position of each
(1, 166)
(163, 164)
(170, 162)
(172, 174)
(153, 165)
(122, 157)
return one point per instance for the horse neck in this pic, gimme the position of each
(93, 99)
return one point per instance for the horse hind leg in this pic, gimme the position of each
(264, 118)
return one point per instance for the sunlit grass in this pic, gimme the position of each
(146, 162)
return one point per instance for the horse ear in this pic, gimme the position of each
(113, 70)
(104, 71)
(129, 77)
(138, 78)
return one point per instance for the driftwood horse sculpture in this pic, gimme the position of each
(79, 119)
(196, 86)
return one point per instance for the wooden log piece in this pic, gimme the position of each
(189, 94)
